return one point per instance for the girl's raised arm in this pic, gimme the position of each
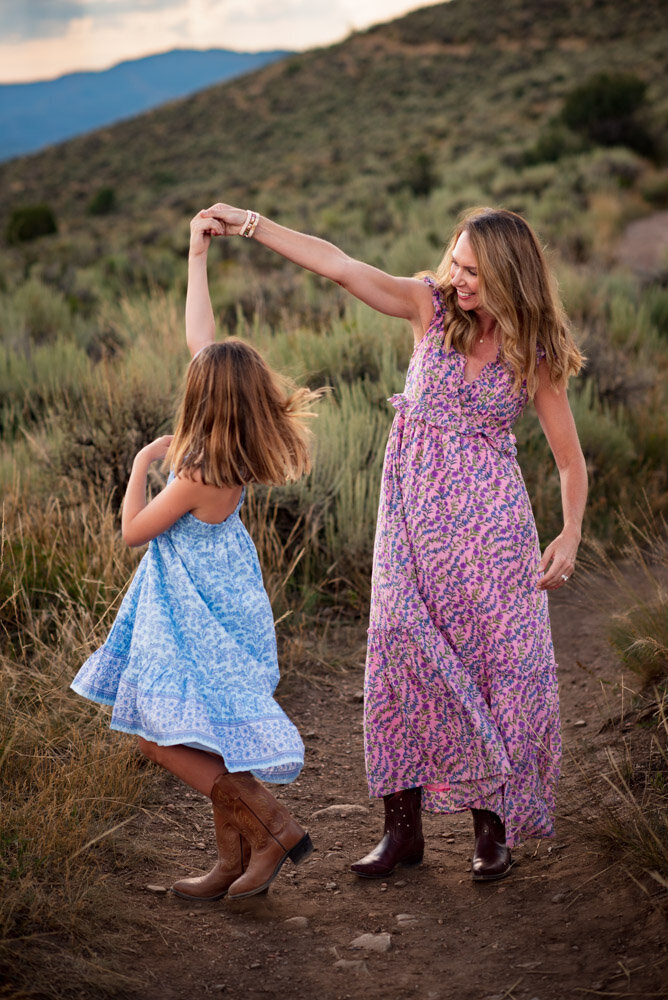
(200, 322)
(406, 298)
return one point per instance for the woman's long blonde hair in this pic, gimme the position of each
(516, 286)
(240, 422)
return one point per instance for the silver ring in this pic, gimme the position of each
(564, 578)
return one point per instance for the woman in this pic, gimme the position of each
(461, 705)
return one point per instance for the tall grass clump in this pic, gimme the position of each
(69, 785)
(96, 441)
(35, 380)
(636, 821)
(638, 623)
(634, 814)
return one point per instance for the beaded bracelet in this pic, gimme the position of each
(250, 225)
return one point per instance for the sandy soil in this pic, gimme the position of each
(569, 922)
(643, 246)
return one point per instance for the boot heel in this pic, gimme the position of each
(301, 850)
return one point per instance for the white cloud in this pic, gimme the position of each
(46, 38)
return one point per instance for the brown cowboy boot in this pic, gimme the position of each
(233, 857)
(491, 857)
(402, 842)
(268, 827)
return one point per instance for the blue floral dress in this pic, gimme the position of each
(191, 657)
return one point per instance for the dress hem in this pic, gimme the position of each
(200, 741)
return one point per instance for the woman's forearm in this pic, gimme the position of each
(310, 252)
(405, 298)
(574, 494)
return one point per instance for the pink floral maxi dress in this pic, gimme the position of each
(460, 692)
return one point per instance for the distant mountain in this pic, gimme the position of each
(35, 115)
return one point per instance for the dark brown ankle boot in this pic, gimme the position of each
(233, 857)
(402, 842)
(267, 825)
(491, 857)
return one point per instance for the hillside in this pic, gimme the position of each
(46, 112)
(377, 143)
(343, 126)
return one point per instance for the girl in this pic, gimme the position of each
(190, 663)
(461, 706)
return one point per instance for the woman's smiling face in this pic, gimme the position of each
(464, 273)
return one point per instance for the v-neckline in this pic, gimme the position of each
(465, 358)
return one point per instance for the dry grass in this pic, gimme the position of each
(635, 818)
(633, 792)
(68, 784)
(638, 586)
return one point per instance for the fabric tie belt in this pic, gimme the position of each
(451, 423)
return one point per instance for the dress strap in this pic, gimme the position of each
(241, 500)
(437, 300)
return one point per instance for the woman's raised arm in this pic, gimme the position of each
(406, 298)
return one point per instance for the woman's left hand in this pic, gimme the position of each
(232, 220)
(558, 560)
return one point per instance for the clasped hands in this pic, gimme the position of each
(218, 220)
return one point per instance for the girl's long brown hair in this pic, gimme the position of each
(239, 421)
(517, 287)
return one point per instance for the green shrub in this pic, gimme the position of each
(163, 179)
(637, 625)
(655, 189)
(96, 441)
(34, 313)
(103, 202)
(32, 381)
(640, 636)
(553, 142)
(29, 222)
(618, 168)
(656, 300)
(604, 109)
(419, 174)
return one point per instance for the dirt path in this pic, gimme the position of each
(643, 247)
(569, 922)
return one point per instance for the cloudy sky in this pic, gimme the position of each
(42, 39)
